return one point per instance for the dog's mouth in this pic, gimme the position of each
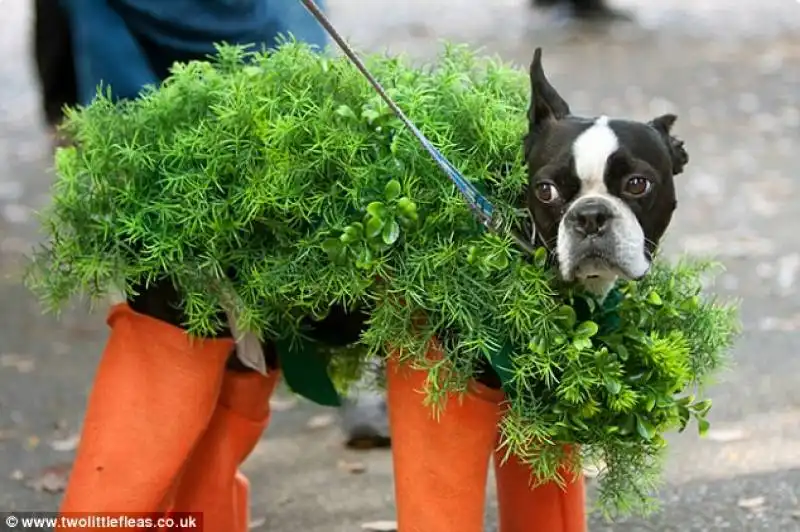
(595, 265)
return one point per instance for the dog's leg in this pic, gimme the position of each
(440, 465)
(544, 508)
(211, 482)
(153, 397)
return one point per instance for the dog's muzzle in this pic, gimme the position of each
(600, 237)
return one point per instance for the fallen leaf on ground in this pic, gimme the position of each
(257, 523)
(726, 435)
(51, 480)
(352, 467)
(380, 526)
(20, 363)
(752, 503)
(16, 475)
(70, 443)
(320, 422)
(32, 442)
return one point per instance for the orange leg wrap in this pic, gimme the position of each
(153, 396)
(440, 466)
(545, 508)
(211, 482)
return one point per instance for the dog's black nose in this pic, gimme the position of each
(591, 216)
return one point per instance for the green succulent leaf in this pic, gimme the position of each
(392, 190)
(374, 227)
(391, 232)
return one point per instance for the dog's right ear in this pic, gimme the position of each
(546, 104)
(678, 155)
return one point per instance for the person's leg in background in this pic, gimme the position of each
(583, 9)
(53, 60)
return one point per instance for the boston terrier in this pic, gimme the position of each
(600, 191)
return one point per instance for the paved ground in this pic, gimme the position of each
(729, 68)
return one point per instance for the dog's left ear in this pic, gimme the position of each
(663, 124)
(546, 103)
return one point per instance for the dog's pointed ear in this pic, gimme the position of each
(663, 125)
(546, 104)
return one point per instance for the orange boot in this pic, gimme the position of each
(211, 482)
(545, 508)
(153, 396)
(440, 466)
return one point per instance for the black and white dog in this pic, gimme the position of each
(601, 191)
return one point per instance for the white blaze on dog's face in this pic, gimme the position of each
(599, 237)
(601, 191)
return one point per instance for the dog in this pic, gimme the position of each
(600, 195)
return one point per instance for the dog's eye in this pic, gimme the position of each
(636, 186)
(546, 192)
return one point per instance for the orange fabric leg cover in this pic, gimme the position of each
(153, 396)
(440, 466)
(545, 508)
(211, 483)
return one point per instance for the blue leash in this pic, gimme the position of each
(481, 207)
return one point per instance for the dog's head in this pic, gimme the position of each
(601, 191)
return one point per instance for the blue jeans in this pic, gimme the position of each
(129, 44)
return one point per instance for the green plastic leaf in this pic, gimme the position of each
(332, 247)
(374, 227)
(370, 115)
(622, 352)
(364, 258)
(540, 258)
(702, 426)
(357, 229)
(392, 190)
(644, 429)
(566, 315)
(472, 254)
(654, 299)
(587, 329)
(345, 111)
(376, 209)
(391, 232)
(650, 403)
(407, 206)
(613, 386)
(581, 343)
(701, 408)
(497, 262)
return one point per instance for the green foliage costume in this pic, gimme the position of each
(279, 186)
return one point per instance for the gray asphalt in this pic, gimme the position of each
(729, 68)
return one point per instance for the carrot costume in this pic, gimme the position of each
(441, 465)
(167, 423)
